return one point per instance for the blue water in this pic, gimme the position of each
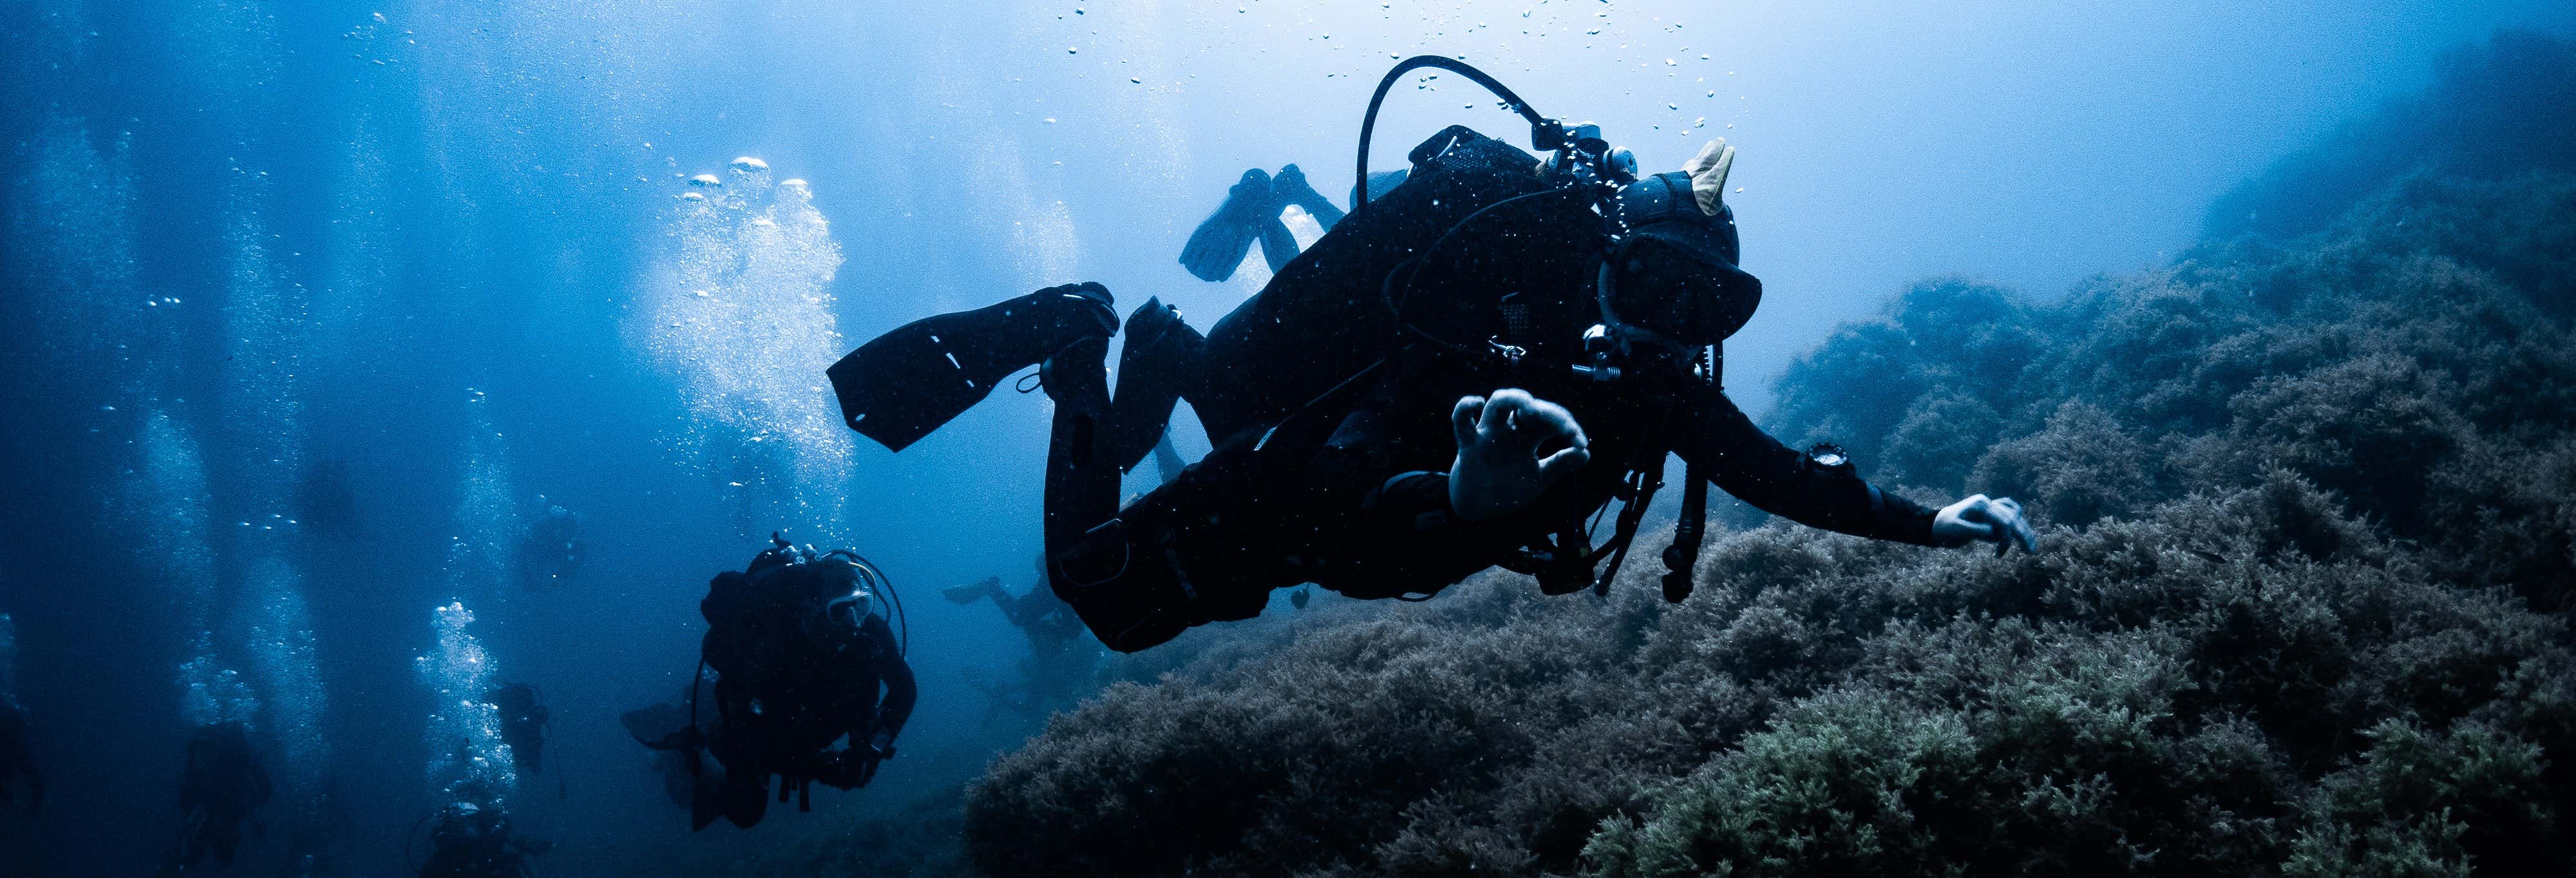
(485, 261)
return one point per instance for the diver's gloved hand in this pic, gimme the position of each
(1998, 521)
(1511, 447)
(1221, 241)
(852, 767)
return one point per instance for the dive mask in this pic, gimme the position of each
(1673, 269)
(849, 609)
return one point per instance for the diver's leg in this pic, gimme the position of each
(1127, 594)
(1081, 474)
(1222, 239)
(1159, 365)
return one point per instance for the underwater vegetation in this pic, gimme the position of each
(2302, 606)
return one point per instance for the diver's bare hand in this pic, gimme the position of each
(1997, 521)
(1511, 447)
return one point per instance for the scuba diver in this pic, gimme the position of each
(17, 767)
(1458, 376)
(470, 839)
(523, 728)
(1058, 660)
(1050, 624)
(552, 550)
(799, 657)
(223, 783)
(1251, 211)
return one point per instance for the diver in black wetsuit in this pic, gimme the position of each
(17, 767)
(1051, 626)
(1457, 376)
(799, 660)
(523, 726)
(1060, 658)
(222, 785)
(553, 549)
(475, 840)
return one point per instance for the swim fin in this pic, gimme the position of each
(1225, 237)
(661, 726)
(1278, 245)
(1289, 186)
(906, 383)
(971, 592)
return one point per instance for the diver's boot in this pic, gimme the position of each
(1221, 241)
(1159, 365)
(906, 383)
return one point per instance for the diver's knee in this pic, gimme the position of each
(1130, 598)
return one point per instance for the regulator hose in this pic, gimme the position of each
(1511, 101)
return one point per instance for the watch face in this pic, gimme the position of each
(1827, 454)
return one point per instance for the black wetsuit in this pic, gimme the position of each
(223, 783)
(782, 702)
(1328, 472)
(523, 726)
(17, 768)
(552, 552)
(478, 844)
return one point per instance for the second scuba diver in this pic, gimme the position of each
(799, 660)
(471, 839)
(1457, 376)
(222, 785)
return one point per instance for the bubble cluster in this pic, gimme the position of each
(739, 314)
(281, 647)
(464, 732)
(487, 522)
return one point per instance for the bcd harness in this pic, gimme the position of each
(1585, 169)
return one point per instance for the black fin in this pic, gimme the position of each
(660, 727)
(1221, 241)
(906, 383)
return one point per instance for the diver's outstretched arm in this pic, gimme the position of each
(902, 692)
(1816, 491)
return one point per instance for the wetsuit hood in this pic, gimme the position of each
(1674, 268)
